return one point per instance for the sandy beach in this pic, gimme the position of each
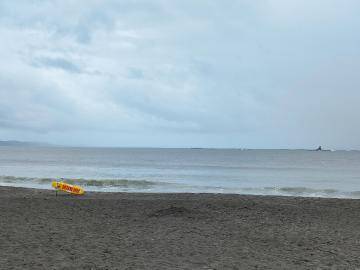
(176, 231)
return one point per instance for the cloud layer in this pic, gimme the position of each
(271, 74)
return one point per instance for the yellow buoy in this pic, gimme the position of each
(73, 189)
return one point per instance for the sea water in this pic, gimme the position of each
(262, 172)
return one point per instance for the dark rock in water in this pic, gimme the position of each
(319, 148)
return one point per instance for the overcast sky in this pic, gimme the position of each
(246, 73)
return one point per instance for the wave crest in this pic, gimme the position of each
(121, 183)
(130, 185)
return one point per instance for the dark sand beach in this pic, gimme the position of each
(176, 231)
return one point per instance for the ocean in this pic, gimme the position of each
(261, 172)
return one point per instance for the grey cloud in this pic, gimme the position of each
(135, 73)
(236, 73)
(59, 63)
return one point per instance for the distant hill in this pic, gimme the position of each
(20, 143)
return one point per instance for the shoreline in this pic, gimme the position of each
(103, 230)
(294, 192)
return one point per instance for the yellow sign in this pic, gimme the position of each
(68, 188)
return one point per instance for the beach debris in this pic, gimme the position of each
(72, 189)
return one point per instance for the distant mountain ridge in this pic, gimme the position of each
(21, 143)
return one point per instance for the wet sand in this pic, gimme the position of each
(176, 231)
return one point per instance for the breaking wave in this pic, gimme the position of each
(96, 183)
(128, 185)
(303, 192)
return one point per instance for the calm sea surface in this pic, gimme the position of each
(272, 172)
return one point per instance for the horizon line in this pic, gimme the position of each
(47, 144)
